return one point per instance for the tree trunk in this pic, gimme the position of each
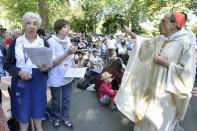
(44, 13)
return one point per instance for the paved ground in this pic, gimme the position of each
(88, 115)
(190, 121)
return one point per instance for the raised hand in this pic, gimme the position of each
(71, 50)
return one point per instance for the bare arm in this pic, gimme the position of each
(59, 59)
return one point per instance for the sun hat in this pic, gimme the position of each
(105, 75)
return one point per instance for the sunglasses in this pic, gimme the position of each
(110, 77)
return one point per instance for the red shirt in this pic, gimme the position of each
(106, 88)
(8, 41)
(117, 74)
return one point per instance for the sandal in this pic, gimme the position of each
(68, 124)
(56, 123)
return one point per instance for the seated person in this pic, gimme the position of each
(96, 63)
(79, 59)
(81, 44)
(122, 51)
(106, 93)
(114, 68)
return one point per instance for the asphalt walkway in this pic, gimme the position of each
(88, 115)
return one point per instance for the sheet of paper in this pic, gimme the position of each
(75, 72)
(5, 82)
(41, 55)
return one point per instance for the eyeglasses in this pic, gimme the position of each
(163, 21)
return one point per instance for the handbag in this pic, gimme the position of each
(2, 71)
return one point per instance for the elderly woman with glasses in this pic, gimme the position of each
(29, 81)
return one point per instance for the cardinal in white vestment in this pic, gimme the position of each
(157, 83)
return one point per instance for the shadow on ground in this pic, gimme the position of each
(88, 115)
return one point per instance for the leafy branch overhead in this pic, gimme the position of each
(95, 15)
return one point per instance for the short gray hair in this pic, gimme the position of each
(15, 31)
(28, 15)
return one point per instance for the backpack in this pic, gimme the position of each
(13, 124)
(83, 84)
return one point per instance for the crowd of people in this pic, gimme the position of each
(149, 80)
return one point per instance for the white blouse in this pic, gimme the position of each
(56, 74)
(22, 59)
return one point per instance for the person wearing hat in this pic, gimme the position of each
(106, 93)
(157, 82)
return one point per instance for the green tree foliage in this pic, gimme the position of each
(88, 14)
(78, 24)
(43, 10)
(91, 9)
(113, 23)
(50, 10)
(194, 29)
(16, 8)
(193, 6)
(57, 9)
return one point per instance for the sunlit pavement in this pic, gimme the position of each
(190, 121)
(88, 115)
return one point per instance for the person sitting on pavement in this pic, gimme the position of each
(81, 44)
(122, 51)
(111, 46)
(96, 63)
(114, 68)
(79, 60)
(106, 93)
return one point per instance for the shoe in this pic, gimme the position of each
(56, 123)
(68, 124)
(114, 108)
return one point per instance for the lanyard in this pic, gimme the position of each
(25, 55)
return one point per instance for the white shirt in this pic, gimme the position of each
(111, 44)
(1, 55)
(96, 59)
(56, 74)
(22, 60)
(122, 50)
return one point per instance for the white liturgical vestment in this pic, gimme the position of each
(152, 95)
